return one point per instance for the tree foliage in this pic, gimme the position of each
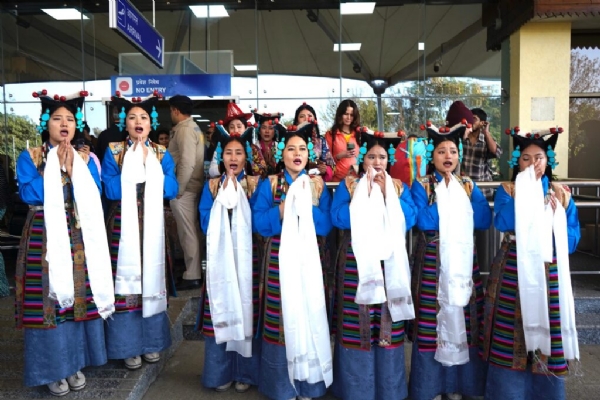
(18, 130)
(584, 79)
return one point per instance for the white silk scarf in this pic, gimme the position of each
(58, 245)
(306, 329)
(229, 269)
(456, 271)
(129, 279)
(378, 233)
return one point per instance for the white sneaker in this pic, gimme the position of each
(76, 381)
(151, 357)
(133, 362)
(454, 396)
(224, 387)
(59, 388)
(241, 387)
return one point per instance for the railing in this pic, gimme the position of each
(493, 236)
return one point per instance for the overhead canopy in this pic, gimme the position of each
(289, 37)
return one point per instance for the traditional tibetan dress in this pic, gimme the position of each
(130, 334)
(515, 373)
(222, 366)
(274, 381)
(428, 377)
(58, 341)
(369, 349)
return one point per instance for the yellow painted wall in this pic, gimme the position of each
(540, 62)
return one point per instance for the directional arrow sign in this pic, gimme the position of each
(135, 28)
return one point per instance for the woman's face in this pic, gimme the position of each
(295, 155)
(267, 132)
(236, 127)
(445, 157)
(234, 157)
(61, 126)
(348, 116)
(138, 123)
(305, 116)
(377, 158)
(530, 155)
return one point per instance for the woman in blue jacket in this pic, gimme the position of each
(447, 287)
(137, 175)
(373, 297)
(530, 335)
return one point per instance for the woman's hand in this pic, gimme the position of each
(62, 154)
(85, 150)
(140, 142)
(230, 175)
(346, 154)
(553, 201)
(379, 179)
(281, 209)
(69, 157)
(322, 167)
(447, 177)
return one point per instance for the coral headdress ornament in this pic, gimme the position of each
(73, 102)
(387, 140)
(438, 135)
(148, 104)
(545, 139)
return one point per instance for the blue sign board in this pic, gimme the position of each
(135, 28)
(205, 85)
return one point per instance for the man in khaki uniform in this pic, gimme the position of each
(187, 148)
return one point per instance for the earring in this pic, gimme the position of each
(551, 157)
(279, 152)
(219, 151)
(515, 157)
(44, 121)
(362, 152)
(429, 155)
(248, 152)
(311, 153)
(79, 118)
(391, 155)
(154, 116)
(122, 116)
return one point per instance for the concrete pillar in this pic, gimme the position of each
(540, 67)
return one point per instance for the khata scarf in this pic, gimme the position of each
(58, 244)
(129, 278)
(229, 269)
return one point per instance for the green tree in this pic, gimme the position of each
(16, 130)
(368, 113)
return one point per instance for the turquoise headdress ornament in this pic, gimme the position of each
(148, 104)
(270, 119)
(223, 137)
(546, 140)
(437, 135)
(388, 140)
(73, 102)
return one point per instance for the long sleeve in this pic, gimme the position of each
(504, 211)
(428, 218)
(187, 140)
(111, 176)
(573, 230)
(31, 182)
(482, 214)
(204, 207)
(171, 186)
(408, 207)
(265, 215)
(340, 207)
(322, 214)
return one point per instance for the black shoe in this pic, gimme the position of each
(188, 284)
